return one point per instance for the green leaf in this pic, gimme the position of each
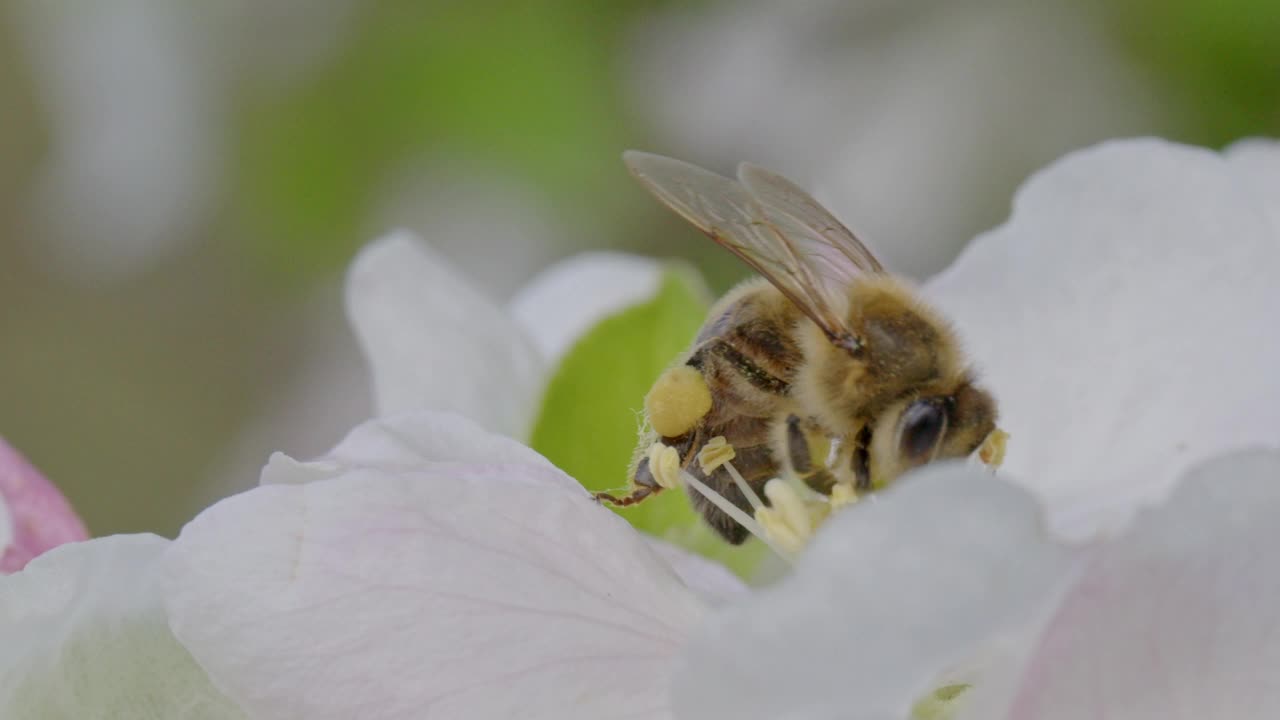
(1217, 60)
(592, 407)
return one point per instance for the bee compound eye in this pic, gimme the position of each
(922, 427)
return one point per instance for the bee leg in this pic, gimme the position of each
(643, 486)
(632, 498)
(801, 456)
(861, 461)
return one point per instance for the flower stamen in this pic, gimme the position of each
(735, 512)
(842, 495)
(747, 491)
(664, 464)
(788, 519)
(715, 452)
(992, 450)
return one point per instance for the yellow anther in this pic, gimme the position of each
(716, 452)
(788, 520)
(787, 502)
(664, 464)
(842, 494)
(991, 452)
(678, 399)
(818, 513)
(778, 531)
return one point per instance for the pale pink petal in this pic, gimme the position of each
(1180, 618)
(712, 581)
(434, 342)
(1125, 319)
(568, 298)
(1256, 162)
(451, 592)
(34, 516)
(893, 593)
(408, 441)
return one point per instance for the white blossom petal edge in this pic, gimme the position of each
(892, 593)
(409, 441)
(562, 302)
(434, 342)
(1124, 317)
(1176, 619)
(450, 589)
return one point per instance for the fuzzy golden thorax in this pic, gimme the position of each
(907, 349)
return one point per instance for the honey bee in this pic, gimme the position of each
(827, 367)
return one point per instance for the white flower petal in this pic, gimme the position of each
(405, 442)
(83, 635)
(1177, 618)
(454, 592)
(435, 342)
(712, 581)
(1124, 319)
(1257, 162)
(891, 593)
(570, 297)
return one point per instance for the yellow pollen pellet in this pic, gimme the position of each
(677, 401)
(664, 464)
(716, 452)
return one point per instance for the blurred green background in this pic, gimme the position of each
(182, 184)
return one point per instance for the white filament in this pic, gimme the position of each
(737, 514)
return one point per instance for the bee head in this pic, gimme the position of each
(924, 428)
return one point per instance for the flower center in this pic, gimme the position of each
(785, 523)
(794, 510)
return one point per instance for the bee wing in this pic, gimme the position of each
(813, 230)
(788, 256)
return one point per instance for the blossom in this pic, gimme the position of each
(429, 567)
(34, 517)
(1122, 318)
(411, 311)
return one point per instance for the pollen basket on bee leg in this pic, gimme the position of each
(678, 399)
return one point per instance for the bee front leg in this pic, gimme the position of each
(807, 449)
(644, 485)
